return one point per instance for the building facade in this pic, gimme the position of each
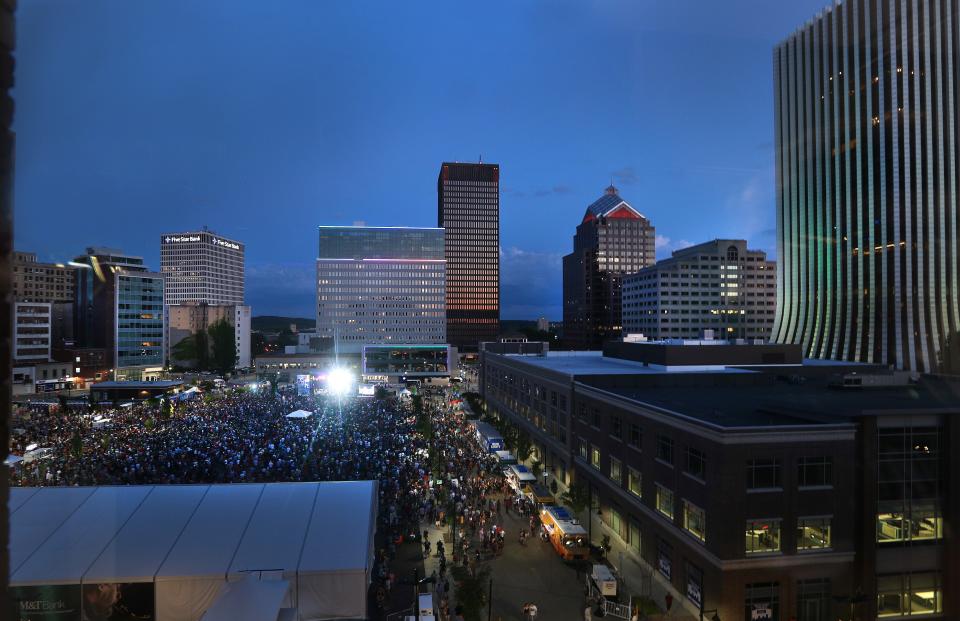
(868, 244)
(42, 282)
(119, 308)
(719, 285)
(185, 320)
(468, 208)
(380, 285)
(747, 492)
(612, 241)
(31, 332)
(203, 267)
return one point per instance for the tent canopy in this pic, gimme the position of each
(191, 540)
(248, 600)
(300, 414)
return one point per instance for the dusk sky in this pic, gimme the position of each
(262, 120)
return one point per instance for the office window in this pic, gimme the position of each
(635, 535)
(635, 436)
(814, 472)
(665, 449)
(696, 463)
(634, 482)
(909, 595)
(763, 600)
(616, 427)
(584, 452)
(665, 501)
(908, 485)
(595, 456)
(615, 471)
(813, 599)
(694, 520)
(813, 533)
(762, 536)
(763, 473)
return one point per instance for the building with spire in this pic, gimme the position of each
(612, 240)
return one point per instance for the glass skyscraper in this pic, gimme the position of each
(468, 208)
(380, 285)
(866, 124)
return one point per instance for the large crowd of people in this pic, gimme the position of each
(430, 467)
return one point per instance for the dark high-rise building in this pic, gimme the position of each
(468, 207)
(613, 240)
(866, 122)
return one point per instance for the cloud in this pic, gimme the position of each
(285, 289)
(558, 189)
(626, 175)
(666, 245)
(531, 284)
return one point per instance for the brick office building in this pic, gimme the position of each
(764, 485)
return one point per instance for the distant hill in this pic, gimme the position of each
(271, 323)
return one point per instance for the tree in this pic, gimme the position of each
(77, 444)
(471, 590)
(536, 468)
(577, 498)
(193, 350)
(258, 343)
(223, 347)
(64, 406)
(524, 446)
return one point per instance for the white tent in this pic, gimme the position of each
(187, 543)
(248, 600)
(300, 414)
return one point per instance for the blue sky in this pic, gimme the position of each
(263, 120)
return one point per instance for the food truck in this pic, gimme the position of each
(518, 476)
(567, 535)
(489, 437)
(539, 495)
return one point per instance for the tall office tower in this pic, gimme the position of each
(719, 285)
(201, 266)
(468, 208)
(611, 241)
(380, 285)
(120, 309)
(866, 109)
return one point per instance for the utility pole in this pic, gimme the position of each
(490, 601)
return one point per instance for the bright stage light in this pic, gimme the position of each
(339, 381)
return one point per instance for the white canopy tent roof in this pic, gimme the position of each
(300, 414)
(190, 541)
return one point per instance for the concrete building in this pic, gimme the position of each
(184, 320)
(44, 283)
(203, 267)
(719, 285)
(120, 309)
(611, 241)
(468, 208)
(380, 285)
(31, 331)
(867, 143)
(742, 479)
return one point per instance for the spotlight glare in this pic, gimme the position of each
(339, 381)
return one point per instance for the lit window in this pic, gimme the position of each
(634, 482)
(813, 533)
(762, 536)
(664, 501)
(694, 520)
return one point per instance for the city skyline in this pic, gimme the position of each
(691, 171)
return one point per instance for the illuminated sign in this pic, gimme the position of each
(226, 244)
(179, 239)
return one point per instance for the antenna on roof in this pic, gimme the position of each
(481, 158)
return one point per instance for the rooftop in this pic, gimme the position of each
(576, 363)
(139, 385)
(807, 401)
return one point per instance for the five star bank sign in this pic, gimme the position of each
(178, 239)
